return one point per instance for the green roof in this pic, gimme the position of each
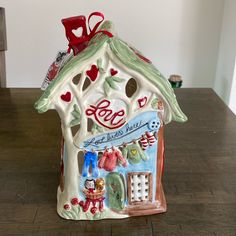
(129, 58)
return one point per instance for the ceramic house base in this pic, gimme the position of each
(113, 105)
(130, 191)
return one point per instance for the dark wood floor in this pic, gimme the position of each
(199, 179)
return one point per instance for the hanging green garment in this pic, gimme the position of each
(116, 191)
(134, 153)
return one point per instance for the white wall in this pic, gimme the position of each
(227, 53)
(180, 36)
(232, 98)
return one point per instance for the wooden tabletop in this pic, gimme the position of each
(199, 179)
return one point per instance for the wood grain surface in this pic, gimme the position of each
(199, 179)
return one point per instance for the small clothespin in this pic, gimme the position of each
(156, 135)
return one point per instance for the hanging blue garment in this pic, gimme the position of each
(90, 158)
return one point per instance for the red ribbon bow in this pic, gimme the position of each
(77, 44)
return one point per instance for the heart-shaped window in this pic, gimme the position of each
(78, 32)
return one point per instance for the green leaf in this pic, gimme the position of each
(67, 214)
(117, 79)
(74, 216)
(106, 87)
(112, 84)
(100, 129)
(89, 215)
(76, 210)
(96, 129)
(76, 114)
(74, 122)
(154, 103)
(76, 108)
(108, 78)
(97, 216)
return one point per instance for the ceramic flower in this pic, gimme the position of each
(67, 207)
(74, 201)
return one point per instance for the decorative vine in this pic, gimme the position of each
(99, 65)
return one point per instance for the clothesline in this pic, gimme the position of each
(141, 139)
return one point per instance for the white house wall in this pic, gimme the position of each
(95, 92)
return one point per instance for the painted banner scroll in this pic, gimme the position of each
(133, 130)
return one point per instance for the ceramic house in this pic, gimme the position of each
(113, 105)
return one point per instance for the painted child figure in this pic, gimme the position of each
(118, 103)
(94, 191)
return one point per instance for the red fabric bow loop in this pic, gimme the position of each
(77, 44)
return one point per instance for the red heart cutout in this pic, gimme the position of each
(142, 102)
(66, 97)
(92, 73)
(113, 72)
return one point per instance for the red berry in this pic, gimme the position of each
(81, 203)
(93, 210)
(67, 207)
(74, 201)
